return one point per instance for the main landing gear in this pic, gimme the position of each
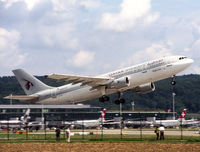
(104, 98)
(119, 100)
(173, 82)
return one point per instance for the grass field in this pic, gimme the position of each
(39, 142)
(50, 137)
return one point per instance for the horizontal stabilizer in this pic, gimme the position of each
(21, 97)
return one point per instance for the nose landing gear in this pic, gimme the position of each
(173, 82)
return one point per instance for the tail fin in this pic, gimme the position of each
(29, 83)
(182, 116)
(26, 116)
(103, 113)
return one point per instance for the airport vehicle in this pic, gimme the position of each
(180, 121)
(16, 123)
(139, 78)
(90, 123)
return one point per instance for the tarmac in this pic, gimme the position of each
(149, 132)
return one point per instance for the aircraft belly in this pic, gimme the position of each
(83, 94)
(73, 96)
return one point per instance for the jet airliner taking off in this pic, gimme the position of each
(138, 78)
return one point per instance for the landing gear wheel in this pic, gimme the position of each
(173, 82)
(101, 99)
(104, 98)
(122, 101)
(117, 102)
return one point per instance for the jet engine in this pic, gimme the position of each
(120, 83)
(145, 88)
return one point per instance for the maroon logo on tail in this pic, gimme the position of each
(28, 84)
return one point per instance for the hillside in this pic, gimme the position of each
(187, 96)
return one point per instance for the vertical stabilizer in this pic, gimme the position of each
(26, 116)
(29, 83)
(182, 116)
(102, 116)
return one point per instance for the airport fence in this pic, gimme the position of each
(118, 131)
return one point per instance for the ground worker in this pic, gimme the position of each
(157, 132)
(68, 133)
(57, 133)
(162, 130)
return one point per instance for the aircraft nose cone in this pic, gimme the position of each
(187, 62)
(190, 61)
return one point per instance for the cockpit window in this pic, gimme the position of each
(181, 58)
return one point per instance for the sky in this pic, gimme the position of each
(92, 37)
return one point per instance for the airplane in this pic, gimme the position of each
(137, 123)
(89, 123)
(190, 122)
(36, 125)
(16, 123)
(138, 78)
(180, 121)
(193, 123)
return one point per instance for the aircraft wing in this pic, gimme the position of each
(85, 80)
(21, 97)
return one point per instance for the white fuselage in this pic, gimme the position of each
(87, 123)
(174, 123)
(140, 74)
(167, 123)
(12, 124)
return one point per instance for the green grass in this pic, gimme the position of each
(96, 138)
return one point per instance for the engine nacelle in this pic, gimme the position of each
(120, 83)
(145, 88)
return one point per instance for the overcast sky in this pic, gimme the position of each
(91, 37)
